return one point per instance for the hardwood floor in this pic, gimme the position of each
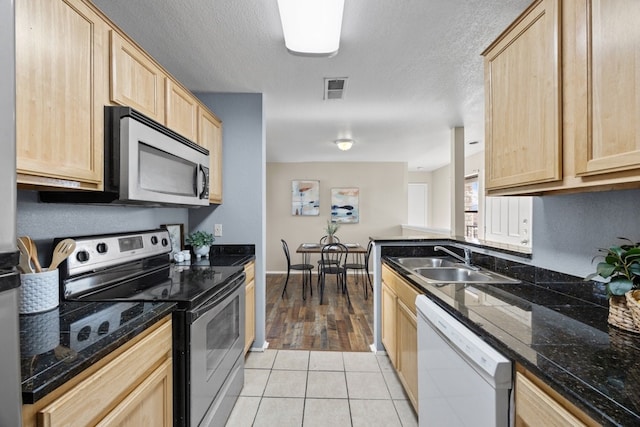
(293, 323)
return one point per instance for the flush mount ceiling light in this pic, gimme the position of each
(344, 143)
(311, 27)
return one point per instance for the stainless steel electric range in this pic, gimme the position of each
(208, 324)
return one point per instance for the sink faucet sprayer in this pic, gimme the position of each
(466, 259)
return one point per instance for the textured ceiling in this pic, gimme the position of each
(414, 71)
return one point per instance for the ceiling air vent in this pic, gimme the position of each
(334, 87)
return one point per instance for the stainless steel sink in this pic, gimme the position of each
(448, 270)
(461, 275)
(451, 275)
(425, 262)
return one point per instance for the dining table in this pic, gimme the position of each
(307, 249)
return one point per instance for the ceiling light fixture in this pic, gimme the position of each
(311, 27)
(344, 143)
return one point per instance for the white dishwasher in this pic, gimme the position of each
(462, 381)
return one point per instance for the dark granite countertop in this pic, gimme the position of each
(58, 344)
(227, 255)
(434, 238)
(555, 325)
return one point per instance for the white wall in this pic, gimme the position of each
(383, 204)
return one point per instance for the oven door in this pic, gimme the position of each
(217, 343)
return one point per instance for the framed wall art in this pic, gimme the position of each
(176, 235)
(345, 205)
(305, 197)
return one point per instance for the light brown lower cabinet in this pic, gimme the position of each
(250, 304)
(400, 330)
(537, 404)
(133, 386)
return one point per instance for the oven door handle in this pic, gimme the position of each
(208, 305)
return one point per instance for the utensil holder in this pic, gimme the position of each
(39, 292)
(44, 332)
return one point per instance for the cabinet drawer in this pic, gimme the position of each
(404, 291)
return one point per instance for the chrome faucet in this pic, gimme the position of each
(466, 259)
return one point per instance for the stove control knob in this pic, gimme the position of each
(154, 240)
(82, 256)
(101, 248)
(165, 242)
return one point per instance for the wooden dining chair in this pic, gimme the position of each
(305, 268)
(333, 258)
(362, 269)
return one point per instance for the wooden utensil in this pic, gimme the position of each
(62, 250)
(25, 258)
(33, 252)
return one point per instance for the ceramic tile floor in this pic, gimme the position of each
(321, 388)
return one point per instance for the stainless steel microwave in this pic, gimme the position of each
(145, 163)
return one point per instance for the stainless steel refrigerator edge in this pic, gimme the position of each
(10, 391)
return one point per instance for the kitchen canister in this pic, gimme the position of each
(39, 292)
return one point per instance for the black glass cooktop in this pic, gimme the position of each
(186, 285)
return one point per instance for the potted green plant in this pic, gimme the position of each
(200, 241)
(621, 267)
(331, 229)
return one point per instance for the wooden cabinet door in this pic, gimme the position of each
(149, 404)
(523, 101)
(388, 319)
(61, 90)
(181, 110)
(136, 81)
(210, 137)
(534, 407)
(408, 352)
(250, 303)
(135, 383)
(611, 141)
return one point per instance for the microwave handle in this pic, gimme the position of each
(204, 174)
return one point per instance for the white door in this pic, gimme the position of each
(417, 205)
(508, 220)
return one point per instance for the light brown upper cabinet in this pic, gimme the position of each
(181, 110)
(210, 137)
(611, 61)
(523, 100)
(62, 54)
(136, 81)
(597, 48)
(71, 61)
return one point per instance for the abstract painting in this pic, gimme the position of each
(305, 198)
(345, 207)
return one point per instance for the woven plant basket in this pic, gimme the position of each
(620, 314)
(633, 302)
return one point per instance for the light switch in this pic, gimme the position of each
(217, 230)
